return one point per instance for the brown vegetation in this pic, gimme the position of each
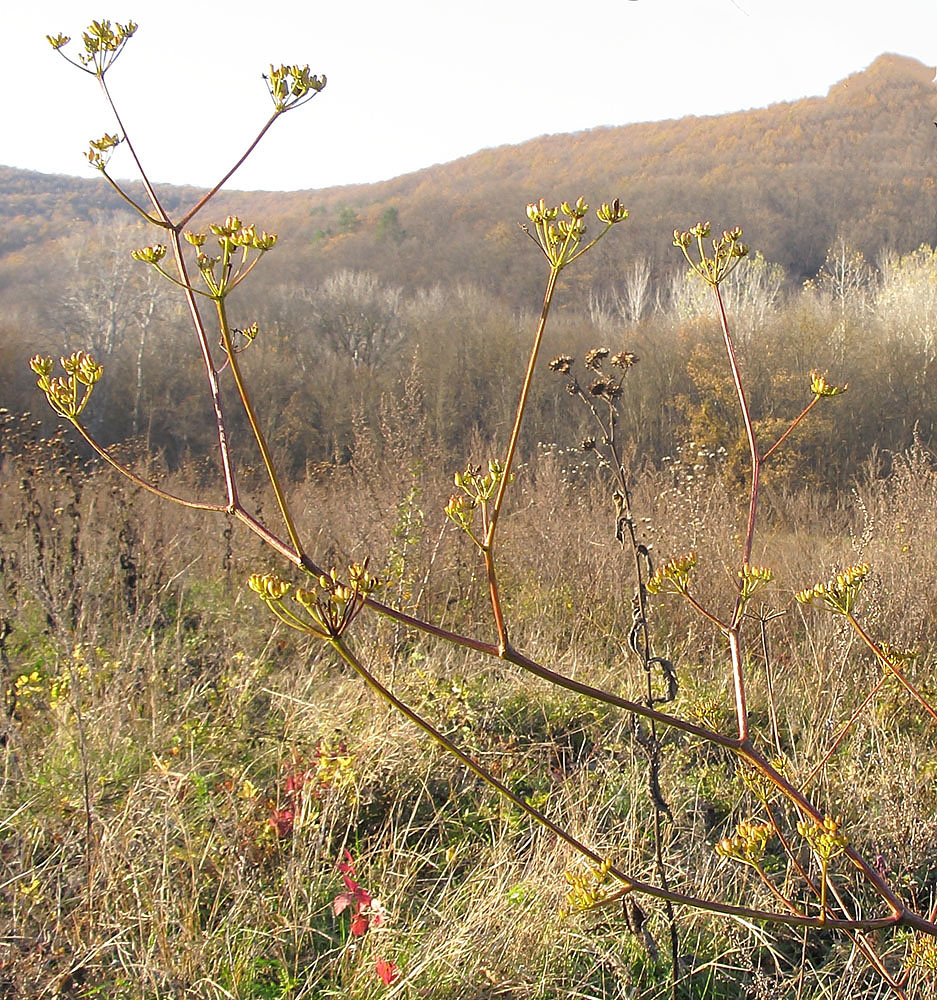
(151, 851)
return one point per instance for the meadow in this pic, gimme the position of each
(635, 749)
(181, 780)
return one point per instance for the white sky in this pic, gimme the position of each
(417, 82)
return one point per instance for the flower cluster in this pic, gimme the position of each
(727, 250)
(586, 889)
(752, 579)
(240, 248)
(820, 387)
(67, 394)
(99, 151)
(825, 839)
(747, 846)
(562, 363)
(606, 385)
(923, 955)
(673, 577)
(478, 489)
(103, 43)
(559, 231)
(326, 610)
(149, 255)
(838, 594)
(239, 338)
(290, 86)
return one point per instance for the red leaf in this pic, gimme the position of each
(359, 924)
(387, 972)
(341, 902)
(282, 821)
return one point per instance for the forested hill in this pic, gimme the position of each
(860, 163)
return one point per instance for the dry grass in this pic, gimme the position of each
(143, 761)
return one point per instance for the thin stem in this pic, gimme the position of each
(790, 429)
(883, 659)
(738, 678)
(738, 675)
(495, 600)
(255, 427)
(214, 389)
(123, 194)
(138, 481)
(276, 543)
(203, 201)
(644, 652)
(188, 291)
(773, 889)
(511, 655)
(708, 615)
(521, 406)
(749, 433)
(488, 546)
(147, 186)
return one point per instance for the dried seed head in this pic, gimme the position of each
(594, 356)
(561, 363)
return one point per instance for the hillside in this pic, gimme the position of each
(859, 163)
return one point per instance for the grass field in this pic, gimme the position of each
(197, 802)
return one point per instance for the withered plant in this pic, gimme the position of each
(822, 880)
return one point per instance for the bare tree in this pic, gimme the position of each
(845, 276)
(749, 293)
(356, 316)
(906, 298)
(629, 302)
(106, 295)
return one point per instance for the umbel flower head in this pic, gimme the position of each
(674, 576)
(290, 86)
(69, 394)
(325, 611)
(748, 843)
(559, 230)
(825, 838)
(820, 387)
(99, 151)
(714, 265)
(240, 247)
(103, 43)
(839, 593)
(586, 889)
(752, 579)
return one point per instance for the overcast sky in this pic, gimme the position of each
(418, 82)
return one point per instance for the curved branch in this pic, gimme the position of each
(142, 483)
